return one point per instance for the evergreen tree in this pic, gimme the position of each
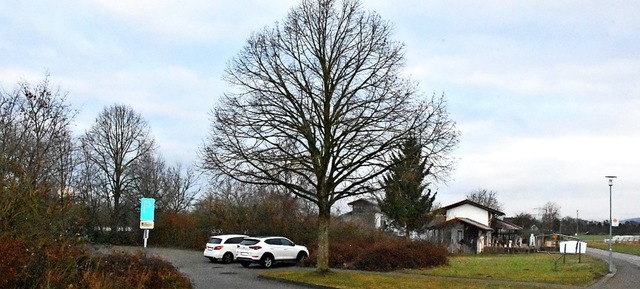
(405, 202)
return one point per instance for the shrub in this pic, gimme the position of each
(401, 254)
(13, 257)
(57, 264)
(120, 269)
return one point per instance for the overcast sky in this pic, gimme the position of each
(546, 93)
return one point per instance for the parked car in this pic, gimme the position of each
(267, 251)
(223, 247)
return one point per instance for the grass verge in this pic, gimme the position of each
(343, 279)
(627, 248)
(483, 271)
(597, 241)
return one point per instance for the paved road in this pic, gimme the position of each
(626, 270)
(206, 275)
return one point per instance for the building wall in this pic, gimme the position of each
(469, 211)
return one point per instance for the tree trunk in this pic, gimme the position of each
(324, 217)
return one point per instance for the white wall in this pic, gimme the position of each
(471, 212)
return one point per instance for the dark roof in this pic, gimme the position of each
(501, 224)
(371, 202)
(470, 202)
(439, 222)
(470, 222)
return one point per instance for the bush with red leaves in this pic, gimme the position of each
(13, 258)
(401, 254)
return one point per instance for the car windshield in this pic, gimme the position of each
(215, 241)
(249, 242)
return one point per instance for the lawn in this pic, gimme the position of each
(597, 241)
(539, 267)
(627, 248)
(482, 271)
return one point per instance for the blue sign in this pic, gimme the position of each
(147, 208)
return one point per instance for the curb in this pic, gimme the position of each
(606, 278)
(295, 282)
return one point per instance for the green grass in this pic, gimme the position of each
(627, 248)
(483, 271)
(354, 279)
(597, 241)
(538, 267)
(589, 238)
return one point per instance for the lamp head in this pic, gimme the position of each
(610, 179)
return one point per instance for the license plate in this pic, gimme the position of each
(243, 254)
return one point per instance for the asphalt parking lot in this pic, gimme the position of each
(207, 275)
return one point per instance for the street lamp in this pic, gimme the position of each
(610, 219)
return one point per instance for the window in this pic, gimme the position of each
(273, 241)
(249, 242)
(235, 240)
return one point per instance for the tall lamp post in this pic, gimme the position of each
(610, 218)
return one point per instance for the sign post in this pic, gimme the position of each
(147, 208)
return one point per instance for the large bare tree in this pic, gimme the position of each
(316, 105)
(119, 137)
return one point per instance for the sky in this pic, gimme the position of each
(546, 94)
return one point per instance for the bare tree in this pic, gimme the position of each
(35, 132)
(35, 146)
(180, 188)
(90, 190)
(318, 103)
(119, 137)
(148, 172)
(486, 198)
(551, 216)
(173, 187)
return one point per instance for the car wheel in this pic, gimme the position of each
(267, 261)
(211, 259)
(301, 257)
(245, 264)
(227, 258)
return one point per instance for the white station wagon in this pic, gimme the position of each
(223, 247)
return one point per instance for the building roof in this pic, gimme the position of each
(470, 202)
(501, 224)
(440, 222)
(471, 223)
(371, 202)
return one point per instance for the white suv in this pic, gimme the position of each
(223, 247)
(269, 250)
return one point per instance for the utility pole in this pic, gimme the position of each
(577, 222)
